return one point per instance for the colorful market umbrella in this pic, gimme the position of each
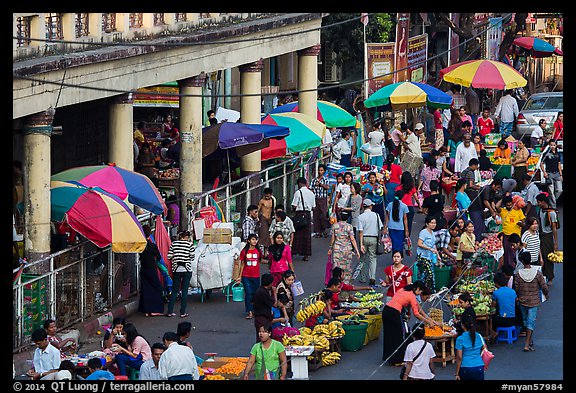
(537, 46)
(483, 74)
(121, 182)
(99, 216)
(305, 133)
(328, 113)
(228, 135)
(405, 95)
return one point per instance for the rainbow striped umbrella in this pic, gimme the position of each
(483, 74)
(405, 95)
(328, 113)
(121, 182)
(99, 216)
(305, 133)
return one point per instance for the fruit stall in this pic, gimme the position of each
(441, 338)
(222, 368)
(168, 180)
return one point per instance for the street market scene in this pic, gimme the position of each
(378, 197)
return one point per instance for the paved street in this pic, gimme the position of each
(219, 326)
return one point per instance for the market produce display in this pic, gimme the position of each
(491, 243)
(310, 310)
(556, 256)
(167, 174)
(330, 358)
(234, 366)
(501, 161)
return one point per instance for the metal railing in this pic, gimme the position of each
(83, 280)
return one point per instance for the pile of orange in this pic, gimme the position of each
(235, 366)
(434, 331)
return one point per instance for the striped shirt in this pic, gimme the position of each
(316, 185)
(248, 227)
(181, 253)
(532, 245)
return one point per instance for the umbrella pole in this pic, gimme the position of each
(229, 169)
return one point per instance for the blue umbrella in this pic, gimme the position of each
(227, 135)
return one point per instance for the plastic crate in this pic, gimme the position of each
(502, 171)
(374, 327)
(442, 277)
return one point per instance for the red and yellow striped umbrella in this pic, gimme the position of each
(483, 74)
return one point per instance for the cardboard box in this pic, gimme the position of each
(217, 236)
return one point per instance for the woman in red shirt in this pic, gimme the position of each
(410, 197)
(249, 275)
(392, 323)
(559, 127)
(393, 180)
(398, 275)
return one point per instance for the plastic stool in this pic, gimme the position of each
(133, 374)
(507, 334)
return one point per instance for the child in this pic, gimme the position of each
(485, 123)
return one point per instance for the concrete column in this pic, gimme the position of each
(37, 171)
(308, 79)
(147, 20)
(95, 24)
(69, 26)
(228, 88)
(121, 151)
(38, 29)
(191, 138)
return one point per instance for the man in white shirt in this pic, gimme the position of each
(412, 158)
(422, 367)
(149, 369)
(369, 228)
(506, 112)
(343, 150)
(303, 202)
(375, 137)
(464, 153)
(46, 359)
(178, 361)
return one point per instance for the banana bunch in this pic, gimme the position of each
(305, 331)
(294, 340)
(319, 342)
(335, 329)
(330, 358)
(556, 256)
(321, 329)
(310, 310)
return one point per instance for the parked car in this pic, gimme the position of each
(539, 106)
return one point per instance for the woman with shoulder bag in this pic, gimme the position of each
(343, 246)
(268, 357)
(469, 347)
(418, 358)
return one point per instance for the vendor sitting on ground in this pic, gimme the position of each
(63, 344)
(341, 291)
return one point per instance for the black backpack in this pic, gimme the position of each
(547, 211)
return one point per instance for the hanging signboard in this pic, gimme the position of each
(401, 58)
(157, 97)
(494, 38)
(380, 62)
(417, 58)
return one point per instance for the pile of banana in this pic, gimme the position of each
(310, 310)
(331, 330)
(556, 256)
(330, 358)
(320, 343)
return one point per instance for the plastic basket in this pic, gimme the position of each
(353, 340)
(442, 276)
(501, 171)
(374, 327)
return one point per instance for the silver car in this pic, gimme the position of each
(539, 106)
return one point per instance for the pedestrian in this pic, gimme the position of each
(137, 352)
(506, 112)
(477, 141)
(369, 232)
(529, 192)
(303, 203)
(177, 362)
(173, 215)
(343, 191)
(250, 222)
(210, 114)
(410, 197)
(281, 223)
(320, 185)
(537, 135)
(413, 149)
(469, 346)
(375, 138)
(46, 358)
(397, 275)
(519, 162)
(96, 372)
(447, 240)
(428, 173)
(398, 139)
(464, 153)
(279, 257)
(559, 127)
(528, 282)
(484, 124)
(418, 357)
(263, 300)
(467, 246)
(512, 222)
(181, 254)
(354, 206)
(504, 300)
(473, 190)
(267, 357)
(531, 240)
(285, 295)
(426, 252)
(392, 323)
(151, 291)
(249, 274)
(376, 192)
(465, 117)
(438, 129)
(149, 370)
(463, 201)
(549, 226)
(396, 222)
(454, 140)
(433, 204)
(167, 126)
(551, 167)
(265, 209)
(342, 151)
(343, 246)
(392, 175)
